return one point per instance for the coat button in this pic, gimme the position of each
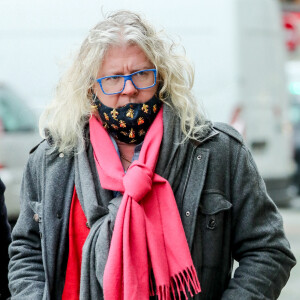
(36, 217)
(58, 215)
(187, 213)
(211, 224)
(61, 155)
(199, 157)
(87, 225)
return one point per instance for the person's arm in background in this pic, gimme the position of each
(5, 241)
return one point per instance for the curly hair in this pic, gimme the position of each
(67, 114)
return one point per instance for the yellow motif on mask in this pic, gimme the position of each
(140, 121)
(129, 113)
(106, 116)
(132, 133)
(141, 132)
(122, 124)
(145, 108)
(114, 114)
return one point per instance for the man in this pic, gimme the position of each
(5, 240)
(134, 194)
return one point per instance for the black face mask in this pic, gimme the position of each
(128, 123)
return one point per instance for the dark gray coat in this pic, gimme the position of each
(225, 211)
(5, 240)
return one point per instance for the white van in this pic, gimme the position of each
(237, 47)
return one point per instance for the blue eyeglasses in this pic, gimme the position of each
(115, 84)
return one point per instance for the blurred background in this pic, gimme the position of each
(246, 55)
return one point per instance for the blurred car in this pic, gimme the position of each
(18, 134)
(295, 119)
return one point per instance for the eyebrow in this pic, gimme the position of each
(131, 71)
(143, 68)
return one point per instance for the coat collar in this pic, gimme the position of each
(211, 133)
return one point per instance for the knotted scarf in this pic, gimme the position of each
(148, 234)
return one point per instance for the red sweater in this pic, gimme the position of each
(78, 232)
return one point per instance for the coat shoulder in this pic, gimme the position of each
(229, 131)
(38, 152)
(42, 142)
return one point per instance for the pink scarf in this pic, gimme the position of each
(148, 233)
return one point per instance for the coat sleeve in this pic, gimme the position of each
(26, 272)
(5, 240)
(258, 240)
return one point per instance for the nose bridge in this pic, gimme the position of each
(128, 78)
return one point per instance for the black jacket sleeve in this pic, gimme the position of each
(5, 241)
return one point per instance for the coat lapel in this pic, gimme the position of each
(58, 190)
(194, 183)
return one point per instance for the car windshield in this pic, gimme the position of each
(15, 115)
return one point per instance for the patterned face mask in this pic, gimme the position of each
(128, 123)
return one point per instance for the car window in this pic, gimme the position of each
(15, 114)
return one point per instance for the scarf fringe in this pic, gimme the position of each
(178, 283)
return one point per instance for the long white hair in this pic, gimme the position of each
(68, 113)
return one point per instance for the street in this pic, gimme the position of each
(291, 219)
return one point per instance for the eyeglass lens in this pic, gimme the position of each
(115, 84)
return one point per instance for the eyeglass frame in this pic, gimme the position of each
(126, 78)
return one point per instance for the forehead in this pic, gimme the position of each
(123, 58)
